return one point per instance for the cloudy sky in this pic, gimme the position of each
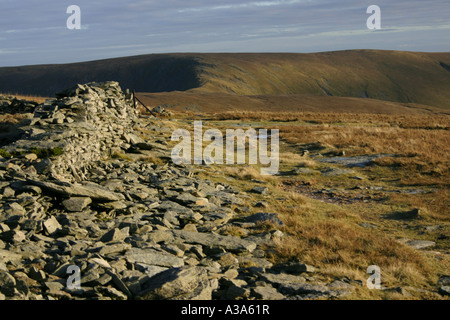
(35, 31)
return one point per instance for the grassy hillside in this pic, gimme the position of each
(386, 75)
(406, 77)
(150, 73)
(228, 103)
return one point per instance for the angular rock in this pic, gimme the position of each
(54, 287)
(235, 289)
(76, 204)
(114, 248)
(91, 191)
(119, 283)
(15, 209)
(444, 290)
(113, 292)
(43, 166)
(420, 244)
(7, 283)
(185, 283)
(227, 259)
(341, 285)
(8, 192)
(202, 202)
(31, 156)
(251, 261)
(159, 236)
(37, 274)
(264, 216)
(281, 278)
(114, 235)
(13, 236)
(304, 288)
(260, 190)
(153, 257)
(52, 225)
(8, 256)
(229, 243)
(293, 267)
(399, 290)
(267, 293)
(444, 281)
(133, 139)
(149, 270)
(185, 199)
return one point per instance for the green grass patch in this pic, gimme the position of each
(47, 153)
(5, 154)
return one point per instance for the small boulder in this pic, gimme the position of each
(264, 216)
(76, 204)
(114, 235)
(184, 283)
(52, 225)
(260, 190)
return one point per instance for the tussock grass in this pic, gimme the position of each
(329, 235)
(9, 119)
(27, 97)
(152, 159)
(248, 173)
(335, 244)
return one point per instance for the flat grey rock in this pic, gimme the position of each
(9, 256)
(153, 257)
(185, 283)
(267, 293)
(228, 243)
(90, 191)
(76, 204)
(265, 216)
(420, 244)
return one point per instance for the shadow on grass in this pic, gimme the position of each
(404, 215)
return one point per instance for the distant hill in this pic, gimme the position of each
(149, 73)
(397, 76)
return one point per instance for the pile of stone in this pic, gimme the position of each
(161, 110)
(13, 105)
(83, 225)
(86, 123)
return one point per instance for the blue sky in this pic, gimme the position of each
(35, 32)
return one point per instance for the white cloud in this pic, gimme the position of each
(27, 30)
(346, 33)
(244, 5)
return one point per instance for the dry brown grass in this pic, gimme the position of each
(38, 99)
(430, 145)
(328, 235)
(152, 159)
(248, 173)
(422, 152)
(11, 119)
(331, 241)
(292, 158)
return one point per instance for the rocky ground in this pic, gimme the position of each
(71, 206)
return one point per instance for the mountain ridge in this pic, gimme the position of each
(396, 76)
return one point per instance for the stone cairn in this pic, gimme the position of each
(126, 229)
